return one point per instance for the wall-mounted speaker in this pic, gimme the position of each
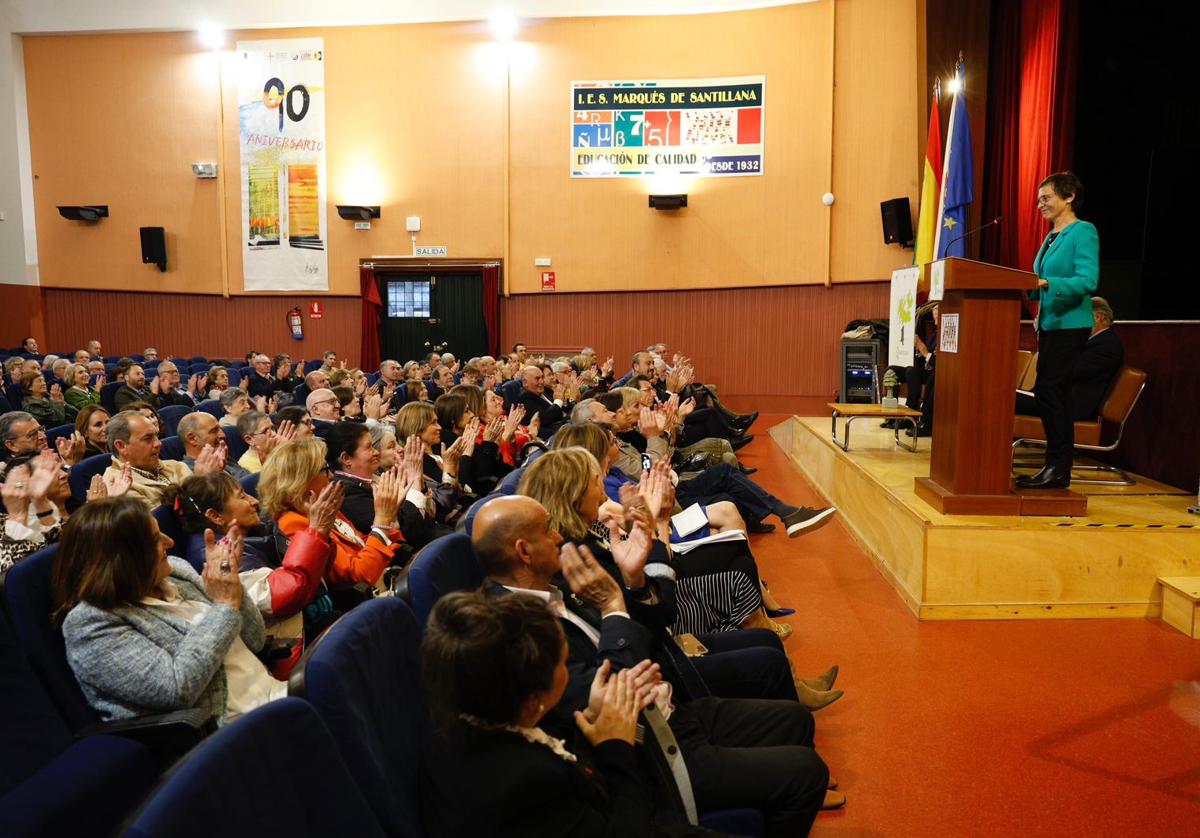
(897, 222)
(154, 247)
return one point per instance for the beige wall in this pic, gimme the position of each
(416, 122)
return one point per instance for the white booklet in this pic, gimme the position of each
(689, 520)
(715, 538)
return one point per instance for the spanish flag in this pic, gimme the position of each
(931, 188)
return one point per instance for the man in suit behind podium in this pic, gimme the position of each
(1100, 361)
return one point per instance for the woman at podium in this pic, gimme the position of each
(1068, 267)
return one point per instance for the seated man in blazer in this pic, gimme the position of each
(1093, 373)
(739, 752)
(553, 410)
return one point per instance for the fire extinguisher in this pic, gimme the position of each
(296, 323)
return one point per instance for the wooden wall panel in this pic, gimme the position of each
(23, 315)
(777, 341)
(194, 324)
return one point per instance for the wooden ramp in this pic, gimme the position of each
(953, 567)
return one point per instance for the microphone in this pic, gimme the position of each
(970, 233)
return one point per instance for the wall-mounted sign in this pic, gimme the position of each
(547, 280)
(434, 250)
(700, 127)
(316, 310)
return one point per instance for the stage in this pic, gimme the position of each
(953, 567)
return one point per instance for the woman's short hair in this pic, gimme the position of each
(474, 397)
(558, 480)
(412, 390)
(287, 473)
(484, 657)
(343, 438)
(594, 439)
(413, 418)
(631, 397)
(230, 395)
(198, 494)
(344, 393)
(450, 408)
(339, 376)
(1066, 185)
(107, 556)
(378, 433)
(27, 381)
(214, 371)
(70, 372)
(293, 413)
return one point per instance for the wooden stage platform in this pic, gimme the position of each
(953, 567)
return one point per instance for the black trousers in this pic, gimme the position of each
(749, 663)
(753, 753)
(1058, 350)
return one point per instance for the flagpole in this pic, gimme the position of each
(937, 239)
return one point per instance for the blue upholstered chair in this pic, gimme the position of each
(50, 782)
(172, 449)
(57, 432)
(81, 474)
(250, 483)
(108, 394)
(285, 741)
(212, 407)
(171, 414)
(235, 443)
(442, 566)
(362, 678)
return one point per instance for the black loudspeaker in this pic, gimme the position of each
(897, 222)
(154, 247)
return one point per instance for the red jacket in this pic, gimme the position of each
(357, 559)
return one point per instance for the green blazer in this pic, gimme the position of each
(1072, 265)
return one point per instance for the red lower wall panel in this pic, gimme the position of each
(21, 315)
(778, 341)
(197, 324)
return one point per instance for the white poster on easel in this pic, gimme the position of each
(937, 280)
(903, 308)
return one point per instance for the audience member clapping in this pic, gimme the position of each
(144, 632)
(92, 425)
(133, 441)
(234, 402)
(47, 404)
(79, 392)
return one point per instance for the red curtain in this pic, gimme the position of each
(1031, 118)
(491, 307)
(371, 305)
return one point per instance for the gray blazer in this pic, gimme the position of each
(134, 661)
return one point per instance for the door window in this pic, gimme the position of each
(408, 298)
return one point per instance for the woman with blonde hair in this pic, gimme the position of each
(568, 483)
(79, 395)
(294, 477)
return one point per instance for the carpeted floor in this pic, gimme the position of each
(1054, 727)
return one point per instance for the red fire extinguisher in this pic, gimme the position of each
(296, 322)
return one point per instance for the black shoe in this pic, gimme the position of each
(890, 424)
(746, 470)
(743, 423)
(741, 442)
(922, 431)
(759, 527)
(807, 519)
(1050, 477)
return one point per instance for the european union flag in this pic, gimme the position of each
(958, 179)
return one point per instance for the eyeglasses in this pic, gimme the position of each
(309, 422)
(40, 430)
(326, 401)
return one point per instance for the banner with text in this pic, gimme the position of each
(901, 333)
(281, 124)
(702, 127)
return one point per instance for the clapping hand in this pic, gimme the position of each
(244, 384)
(656, 491)
(494, 430)
(412, 464)
(651, 423)
(631, 550)
(260, 403)
(100, 382)
(154, 385)
(118, 482)
(512, 421)
(283, 370)
(617, 715)
(56, 393)
(588, 580)
(210, 460)
(606, 368)
(222, 560)
(374, 407)
(324, 509)
(535, 426)
(70, 448)
(388, 494)
(452, 456)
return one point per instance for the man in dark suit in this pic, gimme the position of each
(262, 382)
(1094, 370)
(739, 752)
(552, 409)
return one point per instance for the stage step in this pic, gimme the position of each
(1181, 603)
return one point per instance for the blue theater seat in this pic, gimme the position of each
(171, 414)
(442, 566)
(81, 474)
(172, 449)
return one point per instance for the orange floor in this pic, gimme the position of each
(1062, 727)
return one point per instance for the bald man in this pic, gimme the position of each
(773, 766)
(543, 398)
(199, 429)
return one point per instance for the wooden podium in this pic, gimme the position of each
(970, 470)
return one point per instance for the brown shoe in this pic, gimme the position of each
(815, 699)
(822, 682)
(832, 783)
(833, 800)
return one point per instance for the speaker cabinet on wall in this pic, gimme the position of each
(154, 247)
(897, 222)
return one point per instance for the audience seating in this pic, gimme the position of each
(250, 483)
(212, 407)
(309, 366)
(168, 525)
(171, 414)
(57, 432)
(50, 782)
(298, 785)
(1104, 433)
(361, 676)
(108, 395)
(443, 566)
(5, 407)
(172, 449)
(80, 476)
(235, 443)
